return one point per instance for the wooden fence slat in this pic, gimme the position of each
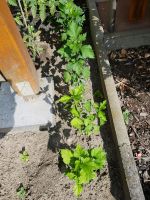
(137, 9)
(15, 62)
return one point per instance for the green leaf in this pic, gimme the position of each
(80, 151)
(65, 99)
(77, 189)
(87, 121)
(96, 129)
(66, 155)
(86, 175)
(12, 2)
(70, 175)
(42, 9)
(102, 117)
(96, 106)
(33, 5)
(18, 21)
(52, 9)
(83, 165)
(21, 192)
(77, 165)
(74, 112)
(64, 52)
(88, 129)
(77, 91)
(87, 169)
(87, 51)
(24, 156)
(77, 123)
(96, 152)
(67, 76)
(87, 106)
(103, 105)
(100, 157)
(63, 36)
(126, 116)
(77, 68)
(86, 72)
(70, 66)
(74, 30)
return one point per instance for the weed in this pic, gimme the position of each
(82, 165)
(126, 116)
(24, 156)
(21, 192)
(32, 40)
(84, 112)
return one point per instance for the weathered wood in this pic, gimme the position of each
(15, 62)
(137, 9)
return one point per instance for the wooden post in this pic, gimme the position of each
(15, 62)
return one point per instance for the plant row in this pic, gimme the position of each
(81, 164)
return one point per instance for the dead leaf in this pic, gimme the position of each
(147, 55)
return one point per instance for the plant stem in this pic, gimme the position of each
(25, 8)
(23, 15)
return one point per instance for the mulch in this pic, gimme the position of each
(131, 71)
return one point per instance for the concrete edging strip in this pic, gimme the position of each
(131, 182)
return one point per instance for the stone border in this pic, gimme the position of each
(130, 179)
(33, 113)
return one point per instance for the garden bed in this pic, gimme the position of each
(102, 44)
(131, 71)
(41, 176)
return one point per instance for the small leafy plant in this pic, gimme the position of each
(31, 37)
(24, 156)
(69, 11)
(84, 112)
(32, 40)
(82, 165)
(21, 192)
(126, 116)
(37, 7)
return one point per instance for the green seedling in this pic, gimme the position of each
(82, 165)
(126, 116)
(74, 49)
(69, 11)
(21, 192)
(24, 156)
(76, 72)
(84, 113)
(32, 40)
(37, 7)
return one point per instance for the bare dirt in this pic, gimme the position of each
(131, 70)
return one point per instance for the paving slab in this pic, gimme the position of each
(31, 113)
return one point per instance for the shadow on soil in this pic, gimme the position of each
(7, 108)
(113, 167)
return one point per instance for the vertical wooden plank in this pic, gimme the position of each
(130, 17)
(137, 9)
(15, 62)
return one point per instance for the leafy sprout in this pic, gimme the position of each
(82, 165)
(24, 156)
(21, 192)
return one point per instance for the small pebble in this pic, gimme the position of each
(143, 114)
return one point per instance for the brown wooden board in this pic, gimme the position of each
(15, 62)
(132, 15)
